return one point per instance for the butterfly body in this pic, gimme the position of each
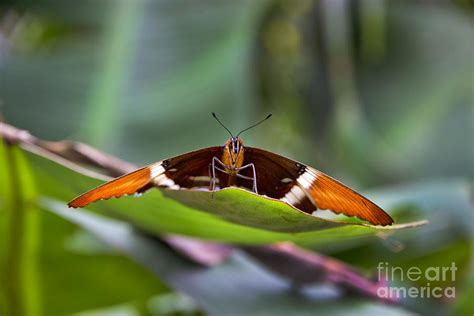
(257, 170)
(233, 154)
(231, 165)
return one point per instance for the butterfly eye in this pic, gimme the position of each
(235, 146)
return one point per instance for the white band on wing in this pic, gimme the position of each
(159, 177)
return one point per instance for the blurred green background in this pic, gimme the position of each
(376, 93)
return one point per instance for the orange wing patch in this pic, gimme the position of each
(127, 184)
(332, 195)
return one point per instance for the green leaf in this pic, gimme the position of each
(95, 280)
(246, 208)
(19, 236)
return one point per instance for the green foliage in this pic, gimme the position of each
(375, 93)
(38, 268)
(158, 214)
(237, 287)
(21, 236)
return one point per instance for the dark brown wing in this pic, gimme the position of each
(307, 188)
(187, 170)
(276, 176)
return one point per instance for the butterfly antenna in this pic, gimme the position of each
(215, 116)
(258, 123)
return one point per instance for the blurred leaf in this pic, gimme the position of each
(20, 236)
(412, 127)
(96, 280)
(103, 116)
(448, 238)
(238, 287)
(127, 71)
(464, 304)
(446, 204)
(35, 264)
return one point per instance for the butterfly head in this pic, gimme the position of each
(233, 155)
(235, 143)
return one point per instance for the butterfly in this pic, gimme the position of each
(235, 165)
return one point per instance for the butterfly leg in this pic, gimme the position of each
(254, 178)
(212, 172)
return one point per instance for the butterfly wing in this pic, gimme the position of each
(307, 188)
(278, 177)
(188, 170)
